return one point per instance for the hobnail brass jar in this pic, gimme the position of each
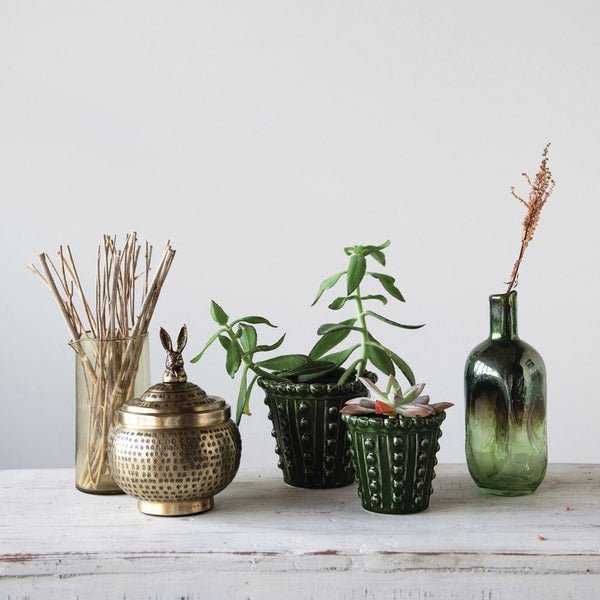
(174, 448)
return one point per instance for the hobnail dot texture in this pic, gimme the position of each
(174, 465)
(394, 459)
(310, 437)
(310, 441)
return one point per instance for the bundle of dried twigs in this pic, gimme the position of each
(110, 359)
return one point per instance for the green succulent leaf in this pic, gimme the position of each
(412, 393)
(218, 314)
(285, 362)
(390, 322)
(328, 283)
(225, 342)
(378, 256)
(370, 249)
(375, 252)
(350, 250)
(331, 340)
(207, 345)
(248, 338)
(379, 297)
(404, 368)
(338, 303)
(268, 348)
(242, 395)
(377, 355)
(243, 407)
(329, 327)
(254, 320)
(393, 386)
(339, 358)
(233, 360)
(316, 367)
(356, 272)
(388, 283)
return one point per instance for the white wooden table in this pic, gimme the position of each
(265, 539)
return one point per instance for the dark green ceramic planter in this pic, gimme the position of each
(394, 459)
(505, 388)
(311, 441)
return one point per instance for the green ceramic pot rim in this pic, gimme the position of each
(350, 389)
(385, 422)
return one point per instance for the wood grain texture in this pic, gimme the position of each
(265, 538)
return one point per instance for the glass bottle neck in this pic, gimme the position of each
(503, 316)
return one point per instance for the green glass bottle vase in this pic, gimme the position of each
(505, 388)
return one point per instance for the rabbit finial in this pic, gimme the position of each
(174, 371)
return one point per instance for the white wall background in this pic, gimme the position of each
(261, 138)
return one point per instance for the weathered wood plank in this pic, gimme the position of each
(265, 537)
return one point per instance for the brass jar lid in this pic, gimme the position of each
(175, 403)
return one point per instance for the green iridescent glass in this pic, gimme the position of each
(505, 387)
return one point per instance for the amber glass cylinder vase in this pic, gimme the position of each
(107, 373)
(505, 387)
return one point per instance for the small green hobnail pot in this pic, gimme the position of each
(394, 459)
(311, 441)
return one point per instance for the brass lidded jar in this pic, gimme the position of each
(174, 448)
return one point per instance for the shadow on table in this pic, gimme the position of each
(453, 488)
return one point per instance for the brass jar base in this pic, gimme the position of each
(175, 509)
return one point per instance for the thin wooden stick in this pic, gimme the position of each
(75, 276)
(65, 313)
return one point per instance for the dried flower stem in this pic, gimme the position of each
(541, 189)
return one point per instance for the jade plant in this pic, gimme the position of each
(239, 337)
(393, 401)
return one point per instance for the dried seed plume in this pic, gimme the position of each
(541, 189)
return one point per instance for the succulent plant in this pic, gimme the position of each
(369, 349)
(239, 337)
(393, 401)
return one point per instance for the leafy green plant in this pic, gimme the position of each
(393, 401)
(239, 337)
(369, 349)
